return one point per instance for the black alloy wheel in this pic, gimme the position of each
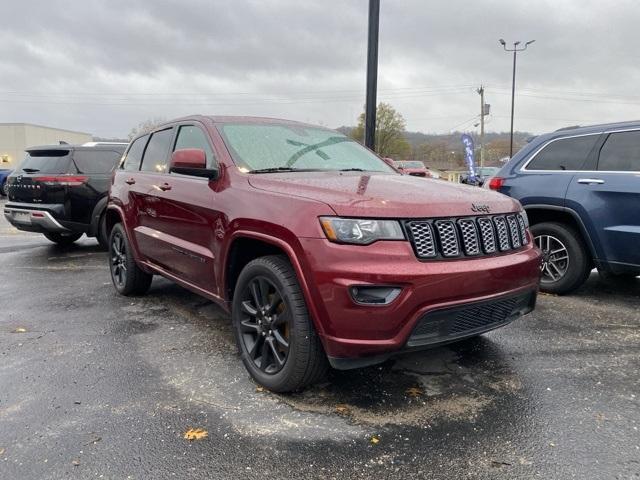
(264, 325)
(276, 338)
(128, 278)
(118, 260)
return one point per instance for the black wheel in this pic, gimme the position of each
(127, 277)
(63, 239)
(4, 191)
(565, 260)
(101, 234)
(275, 336)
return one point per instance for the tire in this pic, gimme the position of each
(4, 190)
(128, 279)
(569, 274)
(101, 234)
(62, 239)
(279, 316)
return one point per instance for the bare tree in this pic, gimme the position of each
(145, 126)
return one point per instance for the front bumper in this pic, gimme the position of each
(353, 334)
(32, 219)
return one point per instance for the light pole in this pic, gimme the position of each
(372, 75)
(515, 50)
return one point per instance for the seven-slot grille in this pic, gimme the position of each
(469, 236)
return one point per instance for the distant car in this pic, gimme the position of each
(61, 191)
(4, 173)
(482, 175)
(581, 190)
(413, 167)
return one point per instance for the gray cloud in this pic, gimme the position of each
(102, 66)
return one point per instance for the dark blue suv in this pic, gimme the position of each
(580, 187)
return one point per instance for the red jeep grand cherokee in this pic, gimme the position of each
(316, 246)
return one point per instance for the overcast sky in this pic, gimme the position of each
(103, 66)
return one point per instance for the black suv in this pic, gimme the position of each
(61, 191)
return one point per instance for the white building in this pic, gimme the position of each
(16, 137)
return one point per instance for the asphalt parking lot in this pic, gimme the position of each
(93, 385)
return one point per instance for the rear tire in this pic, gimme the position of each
(101, 234)
(561, 276)
(4, 191)
(128, 279)
(274, 333)
(62, 239)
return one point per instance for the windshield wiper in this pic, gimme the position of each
(282, 169)
(31, 170)
(352, 170)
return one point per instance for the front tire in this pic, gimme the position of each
(566, 263)
(128, 279)
(275, 336)
(62, 239)
(4, 191)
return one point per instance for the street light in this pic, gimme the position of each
(515, 50)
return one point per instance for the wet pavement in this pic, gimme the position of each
(93, 385)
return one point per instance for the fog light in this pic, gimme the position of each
(374, 295)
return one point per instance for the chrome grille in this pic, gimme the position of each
(469, 236)
(448, 238)
(488, 235)
(503, 235)
(423, 240)
(469, 231)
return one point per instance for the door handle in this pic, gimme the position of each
(130, 181)
(164, 187)
(590, 181)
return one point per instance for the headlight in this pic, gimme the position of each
(360, 231)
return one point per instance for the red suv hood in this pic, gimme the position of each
(381, 195)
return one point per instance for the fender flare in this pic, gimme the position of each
(581, 226)
(295, 263)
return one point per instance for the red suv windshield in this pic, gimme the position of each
(283, 146)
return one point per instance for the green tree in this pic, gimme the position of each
(390, 126)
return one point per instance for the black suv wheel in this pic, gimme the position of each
(63, 239)
(127, 277)
(565, 261)
(275, 336)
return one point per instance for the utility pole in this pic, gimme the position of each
(372, 75)
(482, 114)
(515, 50)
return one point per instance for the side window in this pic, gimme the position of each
(134, 155)
(98, 161)
(157, 152)
(621, 153)
(564, 154)
(190, 136)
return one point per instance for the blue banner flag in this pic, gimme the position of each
(467, 141)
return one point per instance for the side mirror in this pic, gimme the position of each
(191, 161)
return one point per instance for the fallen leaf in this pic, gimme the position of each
(342, 408)
(375, 439)
(260, 389)
(414, 392)
(195, 434)
(20, 330)
(2, 451)
(75, 463)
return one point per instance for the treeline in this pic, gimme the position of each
(443, 151)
